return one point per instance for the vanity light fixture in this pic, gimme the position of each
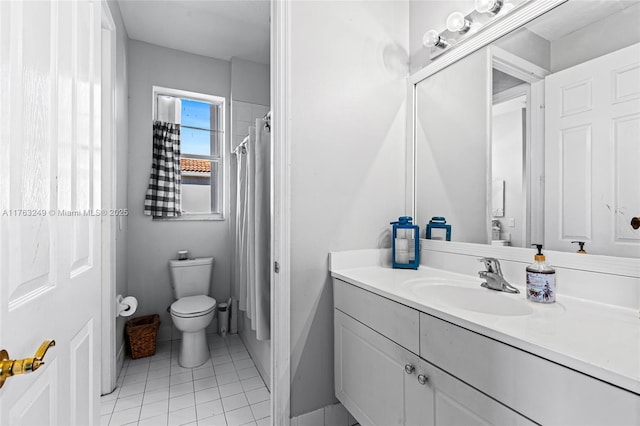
(432, 39)
(457, 22)
(459, 26)
(488, 6)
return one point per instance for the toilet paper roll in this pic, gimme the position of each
(127, 306)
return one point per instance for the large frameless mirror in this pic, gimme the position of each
(535, 138)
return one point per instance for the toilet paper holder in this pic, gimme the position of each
(126, 306)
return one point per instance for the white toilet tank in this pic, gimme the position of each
(191, 277)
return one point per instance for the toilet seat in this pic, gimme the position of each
(193, 306)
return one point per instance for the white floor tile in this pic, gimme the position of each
(206, 383)
(161, 383)
(252, 383)
(209, 409)
(222, 359)
(181, 417)
(132, 389)
(207, 395)
(180, 389)
(247, 373)
(123, 417)
(156, 395)
(224, 368)
(158, 374)
(236, 356)
(219, 420)
(226, 378)
(234, 402)
(135, 378)
(258, 395)
(180, 402)
(244, 363)
(128, 402)
(178, 369)
(110, 396)
(203, 373)
(239, 417)
(224, 391)
(230, 389)
(154, 409)
(159, 420)
(267, 422)
(263, 409)
(104, 419)
(106, 407)
(181, 378)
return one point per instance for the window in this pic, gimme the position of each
(201, 119)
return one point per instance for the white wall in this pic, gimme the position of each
(150, 244)
(348, 63)
(250, 82)
(122, 142)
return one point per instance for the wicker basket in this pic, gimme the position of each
(142, 333)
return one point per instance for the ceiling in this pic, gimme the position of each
(573, 15)
(218, 29)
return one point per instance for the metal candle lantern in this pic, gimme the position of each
(405, 253)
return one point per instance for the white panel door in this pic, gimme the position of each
(49, 186)
(592, 152)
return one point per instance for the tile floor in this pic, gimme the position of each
(227, 390)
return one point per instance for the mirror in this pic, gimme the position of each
(534, 138)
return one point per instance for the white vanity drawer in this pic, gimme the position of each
(391, 319)
(545, 392)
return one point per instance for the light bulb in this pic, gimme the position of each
(456, 22)
(432, 39)
(488, 6)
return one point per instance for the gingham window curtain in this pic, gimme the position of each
(163, 195)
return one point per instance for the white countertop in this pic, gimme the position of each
(602, 341)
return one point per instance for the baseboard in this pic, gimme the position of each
(331, 415)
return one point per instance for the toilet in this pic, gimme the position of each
(193, 309)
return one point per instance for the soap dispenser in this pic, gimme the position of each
(541, 280)
(581, 245)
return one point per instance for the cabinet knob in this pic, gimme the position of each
(409, 369)
(422, 379)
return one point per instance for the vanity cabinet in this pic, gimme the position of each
(383, 383)
(395, 365)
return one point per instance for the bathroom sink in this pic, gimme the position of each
(476, 299)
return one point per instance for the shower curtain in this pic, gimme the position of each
(253, 233)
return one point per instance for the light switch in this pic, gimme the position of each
(512, 222)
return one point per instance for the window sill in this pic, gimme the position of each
(191, 217)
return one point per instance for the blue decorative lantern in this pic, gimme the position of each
(438, 222)
(405, 253)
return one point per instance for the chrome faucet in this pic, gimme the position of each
(493, 276)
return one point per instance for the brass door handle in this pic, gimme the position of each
(635, 222)
(12, 367)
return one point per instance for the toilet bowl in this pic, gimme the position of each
(193, 309)
(191, 315)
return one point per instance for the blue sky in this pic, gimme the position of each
(195, 114)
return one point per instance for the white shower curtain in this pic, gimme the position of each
(252, 234)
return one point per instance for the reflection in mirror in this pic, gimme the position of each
(552, 110)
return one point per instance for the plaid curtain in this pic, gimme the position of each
(163, 195)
